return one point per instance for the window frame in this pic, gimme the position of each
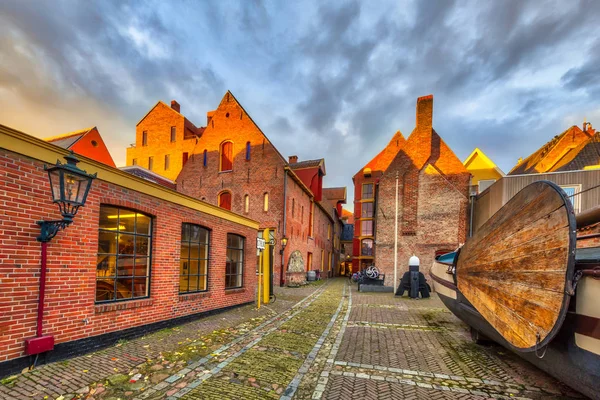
(144, 138)
(248, 147)
(208, 253)
(150, 163)
(576, 199)
(266, 202)
(167, 162)
(372, 247)
(362, 210)
(205, 158)
(362, 230)
(243, 250)
(135, 235)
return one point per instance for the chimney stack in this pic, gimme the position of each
(175, 106)
(293, 159)
(425, 112)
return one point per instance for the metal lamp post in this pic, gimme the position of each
(70, 186)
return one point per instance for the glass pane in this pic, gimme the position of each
(193, 267)
(141, 266)
(202, 283)
(229, 267)
(123, 288)
(142, 245)
(185, 250)
(203, 252)
(183, 267)
(125, 265)
(234, 241)
(105, 289)
(194, 253)
(82, 184)
(204, 235)
(55, 183)
(105, 265)
(238, 280)
(203, 267)
(127, 221)
(185, 232)
(143, 224)
(140, 287)
(107, 242)
(183, 283)
(194, 233)
(126, 244)
(109, 216)
(193, 283)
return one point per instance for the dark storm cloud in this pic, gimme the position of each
(332, 80)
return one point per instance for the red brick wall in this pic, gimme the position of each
(263, 173)
(70, 296)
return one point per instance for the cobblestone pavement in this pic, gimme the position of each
(318, 342)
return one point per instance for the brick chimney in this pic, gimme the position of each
(175, 106)
(425, 112)
(293, 159)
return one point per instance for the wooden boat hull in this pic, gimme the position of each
(567, 357)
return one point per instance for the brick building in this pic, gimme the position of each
(432, 200)
(231, 163)
(137, 256)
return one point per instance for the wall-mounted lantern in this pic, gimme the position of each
(284, 241)
(69, 186)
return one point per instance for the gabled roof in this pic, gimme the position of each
(67, 140)
(584, 155)
(318, 163)
(337, 193)
(533, 163)
(187, 123)
(382, 160)
(477, 153)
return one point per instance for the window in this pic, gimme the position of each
(150, 163)
(226, 156)
(572, 191)
(184, 159)
(193, 263)
(310, 219)
(322, 259)
(247, 151)
(167, 161)
(367, 210)
(225, 200)
(293, 207)
(246, 203)
(366, 248)
(205, 158)
(123, 260)
(302, 215)
(234, 268)
(134, 161)
(266, 202)
(329, 232)
(173, 134)
(366, 228)
(367, 191)
(145, 138)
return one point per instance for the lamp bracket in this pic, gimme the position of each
(49, 229)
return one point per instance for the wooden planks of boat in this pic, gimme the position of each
(517, 268)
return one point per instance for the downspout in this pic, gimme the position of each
(285, 175)
(472, 198)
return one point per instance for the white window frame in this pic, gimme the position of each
(576, 199)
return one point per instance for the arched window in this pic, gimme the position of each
(247, 151)
(225, 200)
(366, 248)
(266, 202)
(205, 158)
(226, 156)
(246, 203)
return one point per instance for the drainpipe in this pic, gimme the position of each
(42, 293)
(285, 175)
(396, 237)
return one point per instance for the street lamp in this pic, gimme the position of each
(284, 241)
(69, 186)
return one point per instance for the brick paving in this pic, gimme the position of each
(335, 343)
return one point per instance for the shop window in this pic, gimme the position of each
(193, 263)
(366, 228)
(225, 200)
(366, 247)
(123, 259)
(367, 210)
(234, 267)
(367, 191)
(226, 156)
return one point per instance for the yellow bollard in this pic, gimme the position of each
(265, 268)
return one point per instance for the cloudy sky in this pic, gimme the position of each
(322, 79)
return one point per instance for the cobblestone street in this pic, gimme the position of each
(324, 341)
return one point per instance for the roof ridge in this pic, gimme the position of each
(69, 134)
